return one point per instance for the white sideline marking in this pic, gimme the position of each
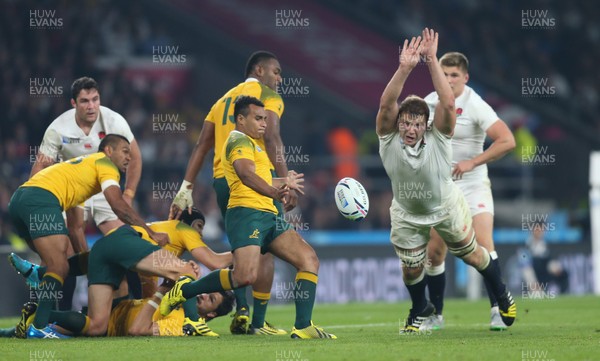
(362, 325)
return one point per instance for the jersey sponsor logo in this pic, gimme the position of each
(481, 205)
(101, 135)
(67, 140)
(459, 111)
(87, 145)
(255, 234)
(258, 148)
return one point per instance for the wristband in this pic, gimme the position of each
(129, 193)
(159, 295)
(153, 304)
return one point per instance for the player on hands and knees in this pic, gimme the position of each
(415, 155)
(475, 120)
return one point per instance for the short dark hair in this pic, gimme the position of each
(190, 218)
(414, 105)
(455, 59)
(226, 305)
(256, 58)
(242, 105)
(111, 140)
(86, 83)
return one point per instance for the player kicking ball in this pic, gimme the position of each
(418, 156)
(252, 224)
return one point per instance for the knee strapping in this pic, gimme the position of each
(436, 270)
(464, 251)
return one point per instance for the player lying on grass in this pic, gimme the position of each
(418, 156)
(137, 317)
(253, 226)
(185, 234)
(36, 210)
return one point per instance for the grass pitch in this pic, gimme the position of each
(563, 328)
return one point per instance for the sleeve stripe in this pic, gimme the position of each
(109, 183)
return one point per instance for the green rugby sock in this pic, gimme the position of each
(47, 293)
(306, 286)
(261, 301)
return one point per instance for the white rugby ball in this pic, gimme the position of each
(351, 199)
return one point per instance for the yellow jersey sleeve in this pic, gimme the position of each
(107, 171)
(190, 238)
(241, 146)
(272, 100)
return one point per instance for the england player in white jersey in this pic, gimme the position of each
(474, 120)
(76, 132)
(417, 159)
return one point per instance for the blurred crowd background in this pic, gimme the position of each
(115, 42)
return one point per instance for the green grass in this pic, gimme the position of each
(565, 328)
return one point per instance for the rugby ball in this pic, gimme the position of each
(351, 199)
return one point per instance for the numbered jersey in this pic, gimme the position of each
(77, 179)
(221, 115)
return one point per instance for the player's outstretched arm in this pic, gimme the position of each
(445, 115)
(388, 105)
(183, 199)
(128, 215)
(211, 259)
